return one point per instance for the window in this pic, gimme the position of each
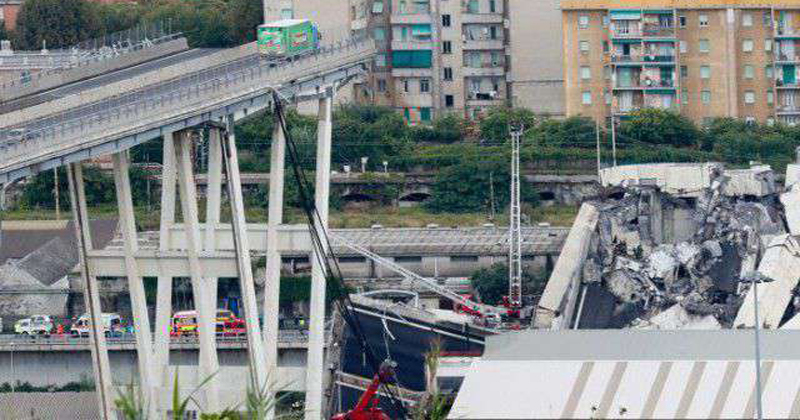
(605, 46)
(683, 46)
(705, 96)
(584, 46)
(446, 21)
(287, 14)
(379, 34)
(447, 47)
(682, 21)
(703, 20)
(424, 85)
(703, 46)
(685, 97)
(770, 122)
(749, 97)
(586, 98)
(449, 101)
(492, 6)
(607, 97)
(749, 72)
(605, 21)
(583, 21)
(406, 86)
(705, 72)
(448, 73)
(380, 60)
(586, 73)
(747, 19)
(493, 32)
(472, 7)
(607, 72)
(412, 59)
(381, 85)
(747, 45)
(377, 7)
(768, 73)
(770, 98)
(767, 45)
(768, 19)
(684, 71)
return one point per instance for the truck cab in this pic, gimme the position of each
(112, 325)
(35, 325)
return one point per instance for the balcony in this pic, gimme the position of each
(408, 72)
(784, 58)
(656, 31)
(467, 18)
(411, 19)
(781, 84)
(487, 69)
(485, 99)
(788, 110)
(626, 33)
(784, 32)
(484, 44)
(646, 84)
(412, 45)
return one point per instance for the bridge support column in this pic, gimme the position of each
(206, 313)
(91, 293)
(255, 342)
(141, 321)
(316, 333)
(272, 284)
(213, 199)
(164, 291)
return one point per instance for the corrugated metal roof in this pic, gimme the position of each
(631, 374)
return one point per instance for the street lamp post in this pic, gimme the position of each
(756, 277)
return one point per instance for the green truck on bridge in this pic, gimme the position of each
(287, 38)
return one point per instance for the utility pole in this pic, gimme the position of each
(614, 139)
(55, 191)
(597, 134)
(515, 228)
(491, 196)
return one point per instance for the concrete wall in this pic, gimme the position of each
(536, 67)
(90, 70)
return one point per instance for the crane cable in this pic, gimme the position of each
(325, 255)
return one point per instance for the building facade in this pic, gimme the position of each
(701, 58)
(435, 56)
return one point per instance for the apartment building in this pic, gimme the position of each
(702, 58)
(435, 56)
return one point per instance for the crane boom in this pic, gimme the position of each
(430, 284)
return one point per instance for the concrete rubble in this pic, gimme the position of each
(669, 246)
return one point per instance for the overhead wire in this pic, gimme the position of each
(326, 256)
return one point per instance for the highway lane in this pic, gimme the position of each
(104, 79)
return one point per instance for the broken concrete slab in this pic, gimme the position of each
(677, 317)
(781, 263)
(791, 203)
(677, 179)
(560, 294)
(757, 181)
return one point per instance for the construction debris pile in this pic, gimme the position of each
(677, 246)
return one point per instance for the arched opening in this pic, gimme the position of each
(547, 196)
(356, 198)
(414, 198)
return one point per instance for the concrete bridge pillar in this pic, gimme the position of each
(213, 199)
(141, 321)
(255, 342)
(164, 291)
(316, 333)
(272, 285)
(91, 292)
(206, 313)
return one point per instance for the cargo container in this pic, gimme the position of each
(288, 38)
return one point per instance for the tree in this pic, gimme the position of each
(117, 17)
(244, 16)
(202, 22)
(39, 192)
(495, 126)
(491, 283)
(471, 186)
(58, 23)
(575, 131)
(374, 132)
(661, 127)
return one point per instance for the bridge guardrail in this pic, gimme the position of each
(19, 145)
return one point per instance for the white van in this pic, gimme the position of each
(112, 325)
(35, 325)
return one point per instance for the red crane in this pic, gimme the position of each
(367, 407)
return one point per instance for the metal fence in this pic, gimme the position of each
(143, 36)
(75, 126)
